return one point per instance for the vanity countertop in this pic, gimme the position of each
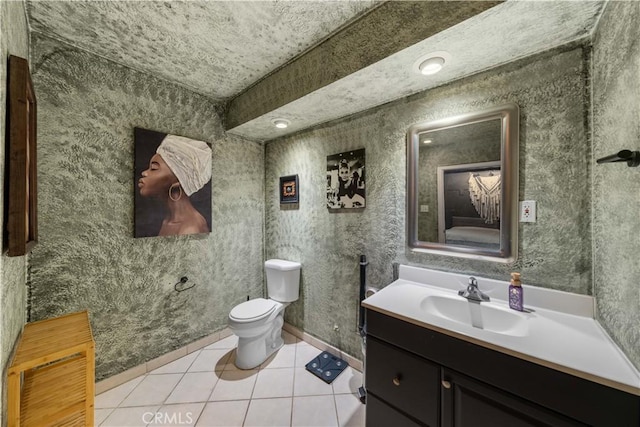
(559, 332)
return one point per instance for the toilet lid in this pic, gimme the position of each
(252, 310)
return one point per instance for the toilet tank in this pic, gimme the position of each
(283, 279)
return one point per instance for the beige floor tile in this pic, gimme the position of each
(351, 412)
(307, 384)
(115, 396)
(234, 385)
(277, 382)
(347, 382)
(99, 415)
(283, 358)
(152, 390)
(230, 365)
(180, 415)
(223, 414)
(177, 366)
(314, 411)
(228, 342)
(210, 360)
(193, 387)
(305, 353)
(352, 361)
(213, 392)
(130, 417)
(269, 413)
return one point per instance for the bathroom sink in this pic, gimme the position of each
(486, 315)
(558, 330)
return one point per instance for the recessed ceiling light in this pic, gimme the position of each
(427, 141)
(431, 63)
(280, 123)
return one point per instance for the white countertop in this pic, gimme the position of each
(561, 332)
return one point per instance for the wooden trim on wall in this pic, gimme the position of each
(21, 160)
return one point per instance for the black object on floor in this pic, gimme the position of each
(326, 366)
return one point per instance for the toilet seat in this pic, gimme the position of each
(253, 310)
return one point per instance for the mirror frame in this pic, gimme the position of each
(508, 114)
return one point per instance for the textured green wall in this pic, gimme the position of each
(616, 187)
(87, 256)
(555, 252)
(14, 40)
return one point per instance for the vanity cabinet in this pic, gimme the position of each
(420, 377)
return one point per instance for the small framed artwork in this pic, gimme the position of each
(289, 189)
(345, 180)
(22, 216)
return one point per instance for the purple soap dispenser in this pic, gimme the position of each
(515, 292)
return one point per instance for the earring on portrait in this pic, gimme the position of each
(171, 192)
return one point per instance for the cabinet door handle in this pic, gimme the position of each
(446, 384)
(396, 380)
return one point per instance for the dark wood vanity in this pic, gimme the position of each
(416, 376)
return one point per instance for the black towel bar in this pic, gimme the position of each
(631, 157)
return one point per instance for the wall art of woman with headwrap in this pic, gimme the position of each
(173, 181)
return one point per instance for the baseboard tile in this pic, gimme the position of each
(136, 371)
(166, 358)
(226, 332)
(321, 345)
(203, 342)
(121, 378)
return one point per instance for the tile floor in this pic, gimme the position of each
(205, 388)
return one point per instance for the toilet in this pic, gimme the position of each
(258, 322)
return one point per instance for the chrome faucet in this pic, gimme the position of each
(473, 293)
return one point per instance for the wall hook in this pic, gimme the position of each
(631, 157)
(179, 286)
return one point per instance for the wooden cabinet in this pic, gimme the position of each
(418, 376)
(466, 402)
(51, 378)
(405, 381)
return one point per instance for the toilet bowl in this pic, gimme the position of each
(258, 322)
(258, 325)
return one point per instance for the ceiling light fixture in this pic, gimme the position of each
(280, 123)
(427, 141)
(431, 63)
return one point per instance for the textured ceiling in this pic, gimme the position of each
(504, 33)
(224, 49)
(217, 48)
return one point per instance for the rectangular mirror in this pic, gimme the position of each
(462, 185)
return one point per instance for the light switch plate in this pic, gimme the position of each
(528, 211)
(424, 208)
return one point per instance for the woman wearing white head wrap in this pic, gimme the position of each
(180, 167)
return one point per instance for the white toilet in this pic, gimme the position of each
(258, 322)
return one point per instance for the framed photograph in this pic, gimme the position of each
(345, 180)
(172, 185)
(22, 215)
(289, 189)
